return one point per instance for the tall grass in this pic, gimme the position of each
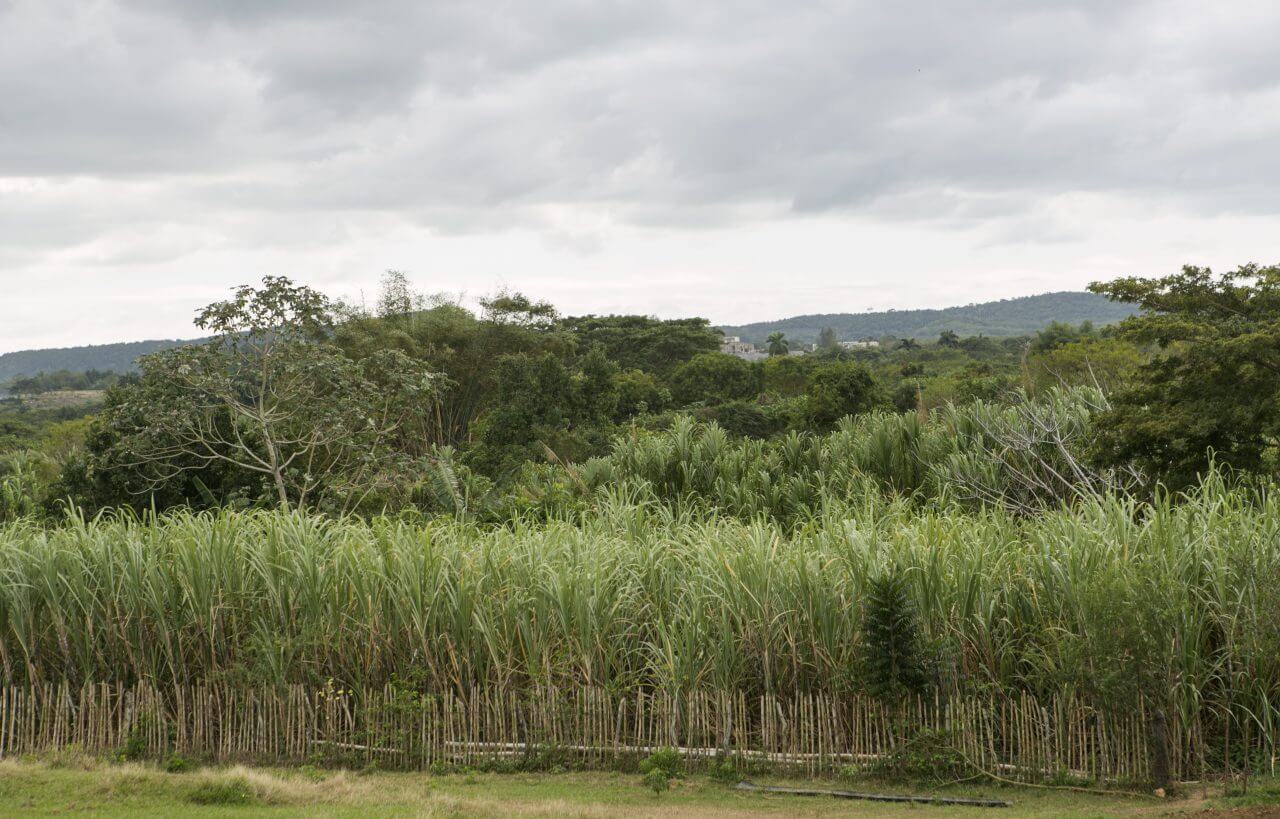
(23, 476)
(1107, 599)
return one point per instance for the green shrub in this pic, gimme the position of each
(222, 792)
(926, 754)
(659, 768)
(723, 770)
(747, 419)
(657, 781)
(840, 389)
(666, 760)
(135, 744)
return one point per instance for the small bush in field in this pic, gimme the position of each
(926, 754)
(723, 770)
(657, 781)
(222, 792)
(659, 768)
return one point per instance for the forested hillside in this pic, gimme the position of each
(118, 358)
(1007, 317)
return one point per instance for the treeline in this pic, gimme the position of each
(421, 403)
(60, 380)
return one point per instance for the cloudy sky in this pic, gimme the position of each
(738, 160)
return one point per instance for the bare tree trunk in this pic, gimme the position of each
(1159, 750)
(277, 474)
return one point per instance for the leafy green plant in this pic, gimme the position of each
(135, 743)
(656, 780)
(924, 754)
(659, 768)
(22, 485)
(723, 770)
(891, 652)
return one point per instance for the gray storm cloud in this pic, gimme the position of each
(215, 117)
(476, 105)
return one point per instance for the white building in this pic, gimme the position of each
(732, 345)
(860, 344)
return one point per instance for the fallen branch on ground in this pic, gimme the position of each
(875, 797)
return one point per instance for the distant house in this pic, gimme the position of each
(732, 345)
(860, 344)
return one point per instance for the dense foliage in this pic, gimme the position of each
(267, 399)
(422, 403)
(43, 382)
(1213, 389)
(1022, 456)
(892, 660)
(268, 409)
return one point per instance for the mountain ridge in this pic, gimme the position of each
(1018, 316)
(118, 357)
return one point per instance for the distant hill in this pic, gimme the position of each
(1008, 317)
(114, 357)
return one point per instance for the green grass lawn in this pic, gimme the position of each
(90, 787)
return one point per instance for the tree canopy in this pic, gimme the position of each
(643, 343)
(1213, 389)
(267, 395)
(837, 390)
